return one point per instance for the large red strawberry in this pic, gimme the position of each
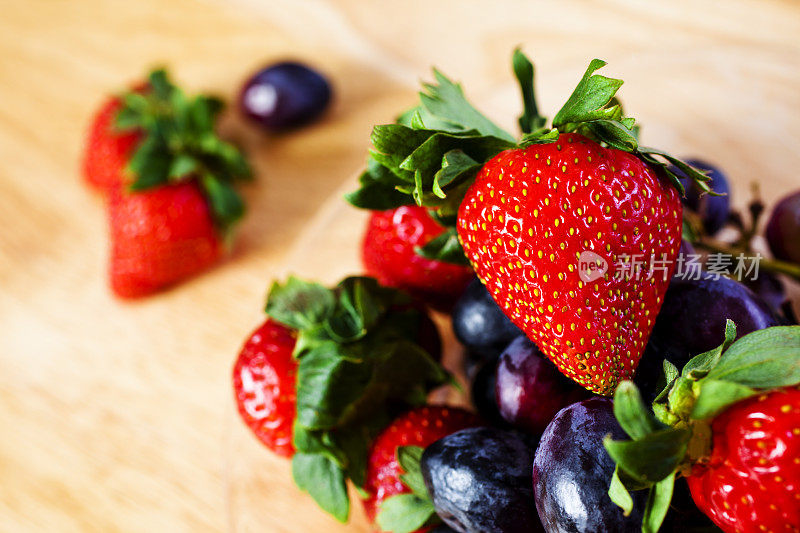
(419, 427)
(730, 422)
(108, 150)
(169, 180)
(389, 254)
(751, 482)
(264, 380)
(573, 229)
(533, 217)
(159, 237)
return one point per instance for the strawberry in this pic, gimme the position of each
(525, 223)
(752, 480)
(389, 254)
(530, 213)
(419, 427)
(730, 422)
(264, 379)
(169, 178)
(108, 150)
(159, 237)
(327, 371)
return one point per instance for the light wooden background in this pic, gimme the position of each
(118, 416)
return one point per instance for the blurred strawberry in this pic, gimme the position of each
(168, 176)
(107, 149)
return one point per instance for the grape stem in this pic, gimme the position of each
(773, 265)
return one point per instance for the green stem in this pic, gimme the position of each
(772, 265)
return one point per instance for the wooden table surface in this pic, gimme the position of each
(118, 416)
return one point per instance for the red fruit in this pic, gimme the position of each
(264, 381)
(389, 255)
(752, 480)
(525, 222)
(419, 427)
(159, 237)
(107, 151)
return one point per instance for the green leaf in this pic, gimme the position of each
(137, 104)
(446, 247)
(324, 481)
(149, 165)
(666, 380)
(455, 165)
(632, 414)
(427, 160)
(160, 85)
(299, 304)
(361, 304)
(619, 494)
(416, 159)
(658, 501)
(394, 143)
(316, 442)
(589, 99)
(404, 513)
(357, 368)
(613, 133)
(524, 71)
(178, 142)
(446, 101)
(670, 372)
(226, 204)
(700, 365)
(765, 359)
(339, 383)
(540, 136)
(328, 382)
(409, 458)
(353, 444)
(661, 161)
(715, 396)
(432, 154)
(652, 457)
(377, 189)
(182, 166)
(127, 119)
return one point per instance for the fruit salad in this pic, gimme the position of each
(632, 354)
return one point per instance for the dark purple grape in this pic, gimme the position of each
(284, 96)
(443, 528)
(686, 249)
(483, 396)
(480, 325)
(572, 471)
(692, 321)
(713, 210)
(783, 229)
(480, 481)
(692, 317)
(770, 288)
(530, 390)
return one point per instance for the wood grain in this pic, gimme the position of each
(118, 416)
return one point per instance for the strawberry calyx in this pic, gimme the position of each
(404, 513)
(358, 367)
(675, 437)
(178, 143)
(432, 154)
